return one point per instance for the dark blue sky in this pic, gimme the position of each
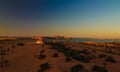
(33, 9)
(81, 18)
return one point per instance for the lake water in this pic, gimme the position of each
(95, 40)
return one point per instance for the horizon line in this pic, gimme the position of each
(59, 35)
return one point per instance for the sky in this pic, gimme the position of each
(72, 18)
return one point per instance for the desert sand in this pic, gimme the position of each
(25, 58)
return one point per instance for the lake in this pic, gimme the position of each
(95, 40)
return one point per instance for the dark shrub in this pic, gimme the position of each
(20, 44)
(110, 51)
(55, 55)
(81, 58)
(85, 51)
(68, 59)
(43, 67)
(72, 53)
(42, 51)
(99, 69)
(41, 56)
(13, 46)
(111, 59)
(102, 55)
(89, 57)
(77, 68)
(94, 56)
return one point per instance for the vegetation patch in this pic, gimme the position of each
(68, 59)
(85, 51)
(102, 55)
(77, 68)
(96, 68)
(42, 51)
(111, 59)
(55, 55)
(43, 67)
(41, 56)
(71, 53)
(20, 44)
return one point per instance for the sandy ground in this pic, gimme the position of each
(22, 59)
(25, 59)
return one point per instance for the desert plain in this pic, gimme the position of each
(59, 57)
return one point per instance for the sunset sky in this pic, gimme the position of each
(74, 18)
